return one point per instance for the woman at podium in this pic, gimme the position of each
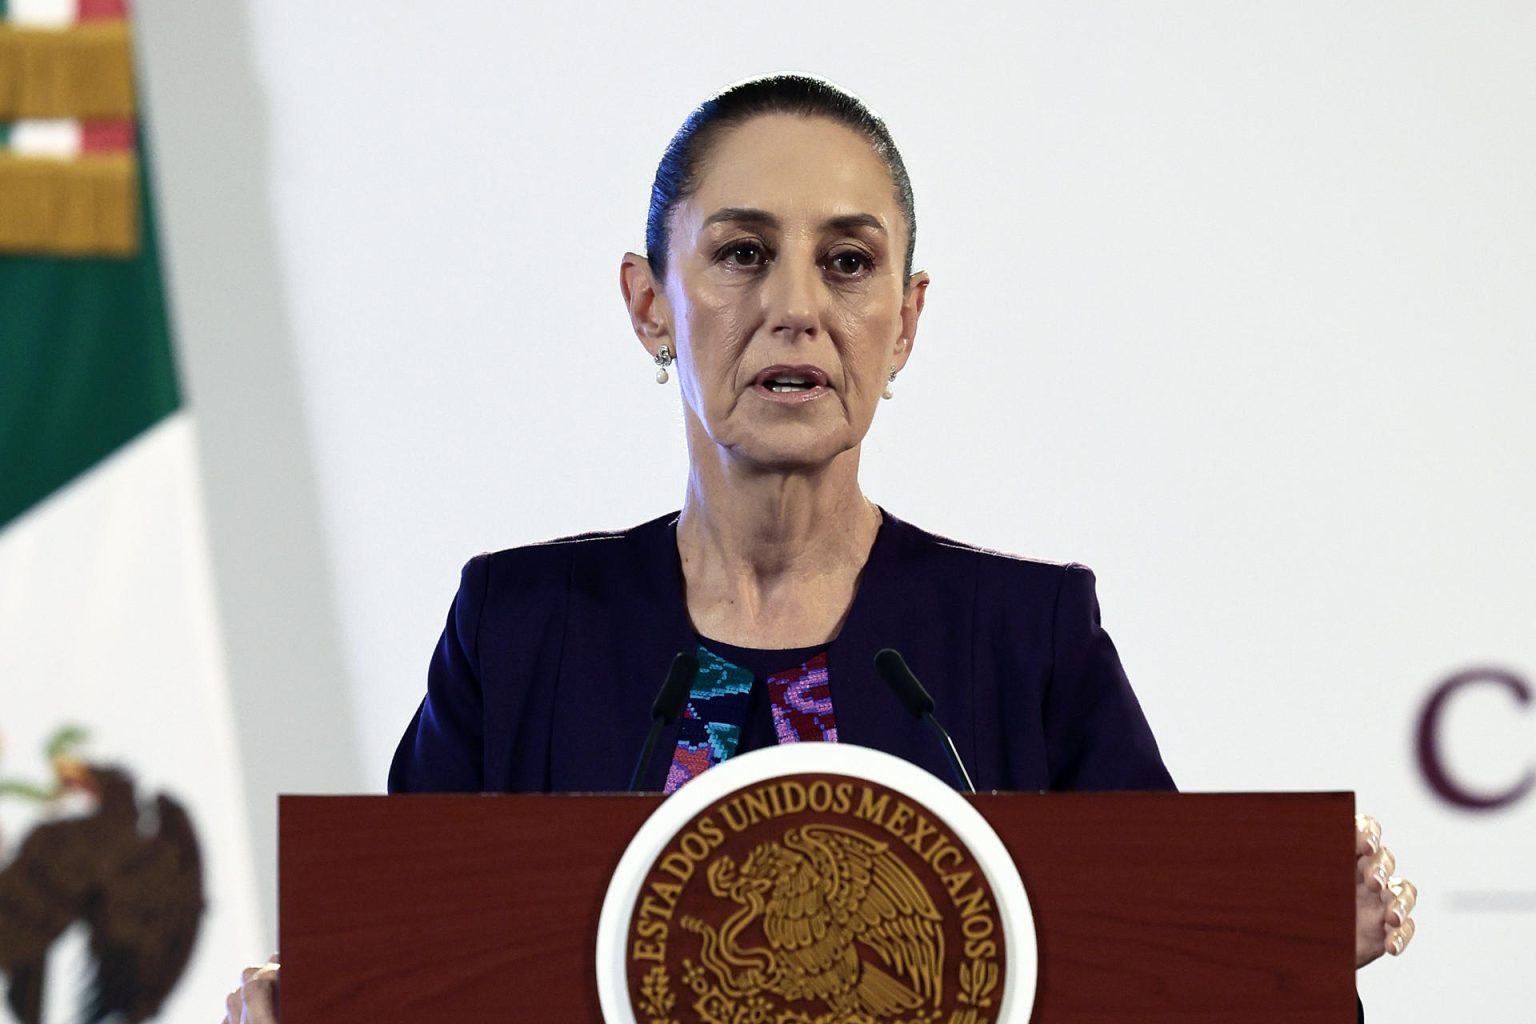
(778, 291)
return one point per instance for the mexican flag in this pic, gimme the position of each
(127, 888)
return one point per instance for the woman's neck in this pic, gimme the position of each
(772, 559)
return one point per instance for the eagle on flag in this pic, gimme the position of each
(132, 875)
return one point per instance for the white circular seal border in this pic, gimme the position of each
(1021, 963)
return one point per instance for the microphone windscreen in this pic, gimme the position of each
(893, 669)
(669, 700)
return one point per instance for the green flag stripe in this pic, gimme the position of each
(85, 362)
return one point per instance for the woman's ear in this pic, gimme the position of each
(648, 312)
(911, 309)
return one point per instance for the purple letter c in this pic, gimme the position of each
(1429, 748)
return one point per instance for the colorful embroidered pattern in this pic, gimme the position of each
(802, 703)
(716, 710)
(711, 720)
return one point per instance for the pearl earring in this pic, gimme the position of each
(663, 359)
(888, 393)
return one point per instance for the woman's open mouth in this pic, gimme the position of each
(790, 384)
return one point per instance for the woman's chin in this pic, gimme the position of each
(791, 456)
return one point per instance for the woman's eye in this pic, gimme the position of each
(850, 263)
(744, 254)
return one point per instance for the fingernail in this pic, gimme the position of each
(1381, 878)
(1397, 944)
(1373, 841)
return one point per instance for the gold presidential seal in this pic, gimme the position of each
(815, 899)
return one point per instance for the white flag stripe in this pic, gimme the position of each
(42, 13)
(50, 138)
(108, 620)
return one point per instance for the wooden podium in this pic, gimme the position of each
(1149, 907)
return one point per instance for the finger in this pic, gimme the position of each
(260, 996)
(1377, 869)
(1399, 937)
(273, 959)
(232, 1008)
(1404, 898)
(1405, 891)
(1367, 835)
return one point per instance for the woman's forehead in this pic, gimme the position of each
(794, 166)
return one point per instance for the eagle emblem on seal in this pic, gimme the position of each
(817, 899)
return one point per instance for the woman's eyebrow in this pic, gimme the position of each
(748, 215)
(742, 214)
(848, 222)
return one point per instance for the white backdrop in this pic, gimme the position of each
(1232, 302)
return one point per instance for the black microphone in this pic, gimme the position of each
(893, 669)
(668, 702)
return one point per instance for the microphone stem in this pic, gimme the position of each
(962, 778)
(645, 755)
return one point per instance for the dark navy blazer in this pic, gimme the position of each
(545, 674)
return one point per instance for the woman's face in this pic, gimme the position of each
(784, 299)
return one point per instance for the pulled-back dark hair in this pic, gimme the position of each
(677, 176)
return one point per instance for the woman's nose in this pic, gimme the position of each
(792, 299)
